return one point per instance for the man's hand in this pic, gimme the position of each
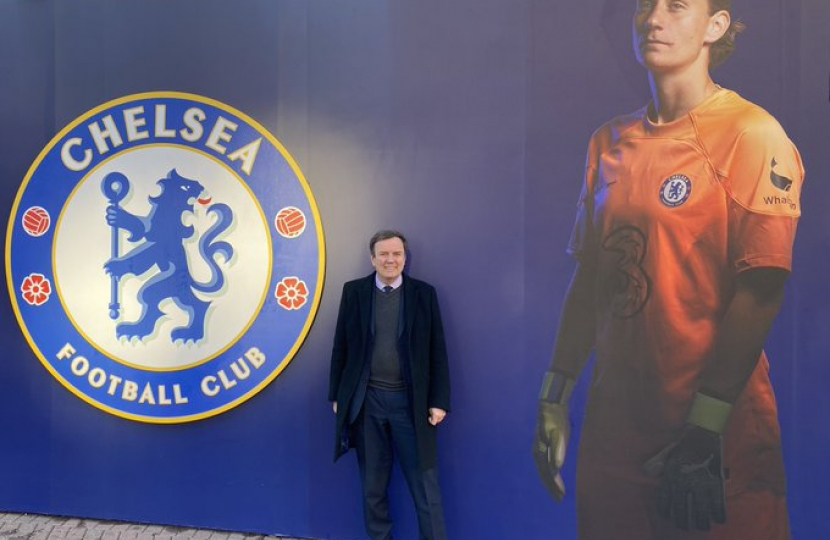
(552, 432)
(334, 406)
(692, 485)
(436, 415)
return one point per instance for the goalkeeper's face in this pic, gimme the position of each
(673, 35)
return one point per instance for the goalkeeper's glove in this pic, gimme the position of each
(692, 490)
(552, 431)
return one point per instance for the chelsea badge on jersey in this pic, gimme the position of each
(165, 257)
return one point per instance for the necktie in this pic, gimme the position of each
(387, 289)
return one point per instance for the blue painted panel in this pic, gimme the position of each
(462, 123)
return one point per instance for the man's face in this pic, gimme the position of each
(389, 259)
(670, 35)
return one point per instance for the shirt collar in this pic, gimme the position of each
(395, 284)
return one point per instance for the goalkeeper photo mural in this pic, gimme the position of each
(683, 241)
(620, 204)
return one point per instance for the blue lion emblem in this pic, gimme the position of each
(161, 235)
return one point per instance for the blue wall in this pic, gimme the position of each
(463, 123)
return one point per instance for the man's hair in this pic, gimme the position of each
(725, 46)
(385, 234)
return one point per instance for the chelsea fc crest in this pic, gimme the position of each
(675, 190)
(165, 257)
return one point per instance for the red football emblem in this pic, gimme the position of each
(36, 221)
(290, 222)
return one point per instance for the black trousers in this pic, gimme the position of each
(384, 428)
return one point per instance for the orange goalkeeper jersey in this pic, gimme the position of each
(672, 213)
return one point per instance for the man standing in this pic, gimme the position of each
(389, 385)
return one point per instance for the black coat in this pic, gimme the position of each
(422, 351)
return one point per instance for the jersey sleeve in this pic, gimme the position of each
(764, 180)
(583, 239)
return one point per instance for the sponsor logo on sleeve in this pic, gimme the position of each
(781, 183)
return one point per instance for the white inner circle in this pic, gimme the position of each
(83, 245)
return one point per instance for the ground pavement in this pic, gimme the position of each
(36, 527)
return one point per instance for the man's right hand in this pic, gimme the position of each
(334, 406)
(551, 442)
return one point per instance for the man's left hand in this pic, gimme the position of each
(436, 415)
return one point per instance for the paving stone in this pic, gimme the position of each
(58, 533)
(75, 533)
(110, 534)
(9, 527)
(93, 534)
(42, 533)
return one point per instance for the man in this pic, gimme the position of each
(389, 385)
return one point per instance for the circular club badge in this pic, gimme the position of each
(165, 257)
(675, 190)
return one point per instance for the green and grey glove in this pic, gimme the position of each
(553, 430)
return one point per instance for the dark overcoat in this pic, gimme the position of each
(421, 348)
